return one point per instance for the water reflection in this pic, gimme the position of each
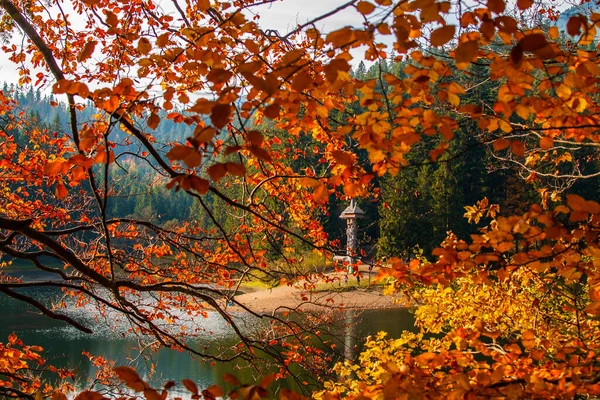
(64, 344)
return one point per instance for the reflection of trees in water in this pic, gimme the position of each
(350, 320)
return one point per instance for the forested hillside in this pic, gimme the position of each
(407, 213)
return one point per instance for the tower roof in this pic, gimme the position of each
(352, 211)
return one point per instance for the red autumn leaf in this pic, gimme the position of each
(220, 115)
(533, 42)
(200, 185)
(255, 138)
(235, 169)
(217, 171)
(153, 121)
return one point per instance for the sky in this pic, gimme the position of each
(282, 16)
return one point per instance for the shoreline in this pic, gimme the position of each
(297, 298)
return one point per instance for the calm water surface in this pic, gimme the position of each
(64, 344)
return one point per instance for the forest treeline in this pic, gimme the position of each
(408, 213)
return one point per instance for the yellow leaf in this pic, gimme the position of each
(563, 91)
(453, 99)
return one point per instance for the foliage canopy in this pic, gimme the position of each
(511, 311)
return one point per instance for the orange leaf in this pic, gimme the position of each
(130, 378)
(89, 395)
(231, 379)
(193, 159)
(343, 158)
(267, 380)
(203, 5)
(331, 69)
(496, 6)
(524, 4)
(58, 396)
(261, 153)
(309, 182)
(56, 167)
(179, 152)
(466, 51)
(219, 75)
(216, 171)
(501, 144)
(215, 391)
(61, 191)
(254, 137)
(574, 25)
(144, 46)
(87, 51)
(204, 135)
(578, 203)
(442, 35)
(153, 121)
(546, 142)
(516, 55)
(61, 87)
(200, 185)
(235, 168)
(365, 8)
(517, 147)
(321, 193)
(191, 386)
(301, 82)
(163, 40)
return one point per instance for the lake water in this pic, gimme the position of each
(64, 344)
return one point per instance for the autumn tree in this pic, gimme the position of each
(214, 69)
